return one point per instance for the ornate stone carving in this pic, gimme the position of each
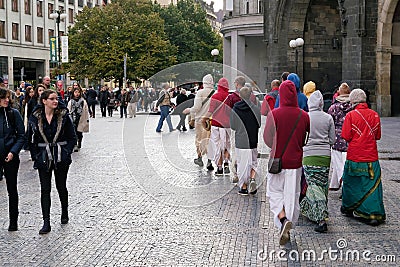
(361, 31)
(343, 18)
(278, 20)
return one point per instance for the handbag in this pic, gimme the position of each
(275, 164)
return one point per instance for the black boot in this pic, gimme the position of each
(46, 227)
(64, 216)
(13, 225)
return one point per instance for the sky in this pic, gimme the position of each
(218, 4)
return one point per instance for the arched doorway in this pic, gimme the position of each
(395, 63)
(322, 48)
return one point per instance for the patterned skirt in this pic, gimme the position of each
(315, 204)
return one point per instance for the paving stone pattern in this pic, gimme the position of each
(137, 199)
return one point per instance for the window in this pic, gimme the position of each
(2, 29)
(39, 10)
(28, 33)
(15, 33)
(80, 3)
(27, 7)
(40, 35)
(71, 2)
(1, 4)
(260, 6)
(51, 33)
(61, 33)
(14, 5)
(247, 7)
(71, 15)
(51, 9)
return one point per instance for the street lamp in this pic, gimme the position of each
(215, 53)
(294, 44)
(58, 15)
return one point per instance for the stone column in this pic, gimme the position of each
(383, 97)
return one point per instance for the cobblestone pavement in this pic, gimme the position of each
(136, 199)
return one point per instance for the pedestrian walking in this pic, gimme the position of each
(12, 135)
(111, 102)
(362, 185)
(164, 102)
(181, 102)
(338, 110)
(269, 100)
(123, 103)
(51, 146)
(316, 163)
(133, 100)
(79, 112)
(245, 120)
(220, 124)
(286, 132)
(91, 98)
(103, 100)
(198, 112)
(232, 99)
(301, 98)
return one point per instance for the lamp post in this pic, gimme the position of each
(295, 44)
(214, 53)
(58, 15)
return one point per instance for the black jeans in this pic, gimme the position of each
(45, 186)
(110, 111)
(11, 173)
(103, 108)
(122, 111)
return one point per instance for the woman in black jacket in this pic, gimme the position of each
(51, 145)
(12, 139)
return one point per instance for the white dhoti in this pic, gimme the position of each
(283, 190)
(219, 142)
(246, 161)
(338, 160)
(233, 153)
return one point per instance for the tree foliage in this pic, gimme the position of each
(188, 29)
(101, 37)
(153, 38)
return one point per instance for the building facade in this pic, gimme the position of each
(25, 30)
(244, 48)
(356, 41)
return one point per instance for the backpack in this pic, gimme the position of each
(274, 94)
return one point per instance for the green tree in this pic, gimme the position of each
(188, 29)
(101, 37)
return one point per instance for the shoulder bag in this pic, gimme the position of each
(275, 164)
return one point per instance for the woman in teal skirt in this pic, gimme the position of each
(362, 185)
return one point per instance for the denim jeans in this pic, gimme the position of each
(164, 115)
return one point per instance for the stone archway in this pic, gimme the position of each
(384, 55)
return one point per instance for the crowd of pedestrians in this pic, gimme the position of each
(307, 145)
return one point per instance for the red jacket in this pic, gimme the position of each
(362, 134)
(280, 123)
(270, 101)
(218, 108)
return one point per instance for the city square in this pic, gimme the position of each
(135, 201)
